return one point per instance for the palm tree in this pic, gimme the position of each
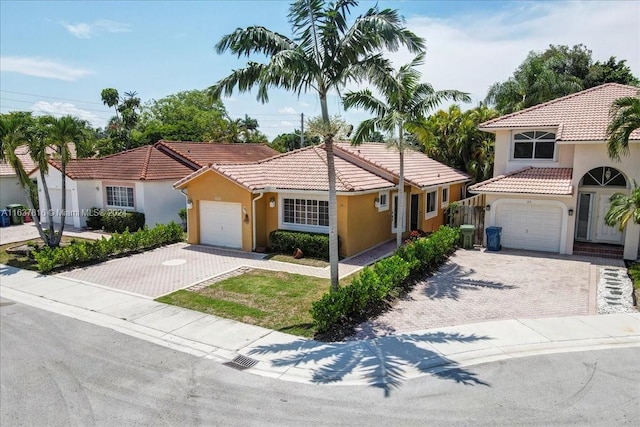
(623, 208)
(323, 55)
(405, 102)
(625, 118)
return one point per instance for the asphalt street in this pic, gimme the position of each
(57, 371)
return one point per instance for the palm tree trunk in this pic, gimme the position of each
(32, 208)
(401, 197)
(334, 255)
(63, 207)
(45, 189)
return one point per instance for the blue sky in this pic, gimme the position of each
(57, 56)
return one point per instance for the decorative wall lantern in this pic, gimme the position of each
(272, 202)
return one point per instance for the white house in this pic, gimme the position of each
(139, 180)
(553, 177)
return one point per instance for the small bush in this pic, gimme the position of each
(313, 245)
(82, 252)
(94, 219)
(374, 285)
(117, 221)
(182, 213)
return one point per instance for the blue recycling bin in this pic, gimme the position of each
(493, 238)
(5, 218)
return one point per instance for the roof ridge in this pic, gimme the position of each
(145, 163)
(326, 162)
(174, 153)
(279, 155)
(499, 177)
(556, 100)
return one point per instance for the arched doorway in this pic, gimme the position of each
(594, 191)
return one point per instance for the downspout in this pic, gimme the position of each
(253, 219)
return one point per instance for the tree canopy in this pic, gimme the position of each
(556, 72)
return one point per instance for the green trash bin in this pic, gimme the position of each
(17, 212)
(466, 235)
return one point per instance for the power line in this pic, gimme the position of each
(31, 102)
(50, 97)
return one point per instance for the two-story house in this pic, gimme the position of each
(553, 177)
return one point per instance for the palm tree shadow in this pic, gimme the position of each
(452, 279)
(383, 363)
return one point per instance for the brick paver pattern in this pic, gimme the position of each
(475, 286)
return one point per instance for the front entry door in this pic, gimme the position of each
(414, 211)
(604, 233)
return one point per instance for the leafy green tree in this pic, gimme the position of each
(624, 208)
(247, 131)
(121, 126)
(404, 102)
(625, 118)
(556, 72)
(323, 54)
(293, 141)
(452, 137)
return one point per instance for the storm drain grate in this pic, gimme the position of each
(241, 363)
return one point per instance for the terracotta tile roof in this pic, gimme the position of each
(529, 180)
(582, 116)
(419, 169)
(204, 153)
(304, 169)
(139, 164)
(23, 154)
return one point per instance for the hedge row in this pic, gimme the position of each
(115, 221)
(313, 245)
(374, 285)
(81, 252)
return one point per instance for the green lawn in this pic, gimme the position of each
(313, 262)
(274, 300)
(634, 272)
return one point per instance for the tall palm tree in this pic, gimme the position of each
(56, 134)
(624, 208)
(405, 102)
(625, 118)
(323, 55)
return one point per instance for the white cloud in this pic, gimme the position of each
(470, 53)
(40, 67)
(84, 30)
(287, 110)
(58, 109)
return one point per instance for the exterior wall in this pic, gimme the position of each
(89, 196)
(211, 186)
(161, 202)
(360, 224)
(434, 222)
(11, 192)
(504, 164)
(54, 184)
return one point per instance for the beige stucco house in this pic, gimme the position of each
(553, 177)
(238, 205)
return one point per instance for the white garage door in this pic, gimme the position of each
(221, 224)
(530, 226)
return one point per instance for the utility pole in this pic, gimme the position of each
(301, 130)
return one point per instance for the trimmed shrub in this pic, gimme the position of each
(82, 252)
(117, 221)
(313, 245)
(94, 219)
(374, 285)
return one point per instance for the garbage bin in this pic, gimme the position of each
(16, 211)
(493, 238)
(466, 235)
(5, 218)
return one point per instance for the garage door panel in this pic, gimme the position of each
(221, 224)
(530, 226)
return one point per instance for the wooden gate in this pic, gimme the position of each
(469, 211)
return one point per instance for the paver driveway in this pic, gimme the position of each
(475, 286)
(164, 270)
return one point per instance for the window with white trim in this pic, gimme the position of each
(534, 145)
(305, 212)
(119, 196)
(445, 196)
(383, 201)
(431, 203)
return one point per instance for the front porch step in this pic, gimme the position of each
(598, 250)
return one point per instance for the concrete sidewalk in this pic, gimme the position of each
(382, 362)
